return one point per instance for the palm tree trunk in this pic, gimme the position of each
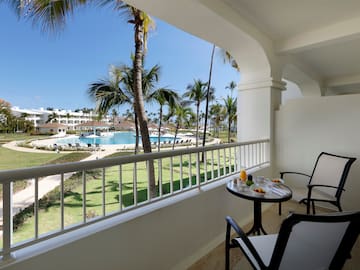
(197, 123)
(136, 134)
(207, 96)
(176, 132)
(159, 129)
(138, 97)
(229, 130)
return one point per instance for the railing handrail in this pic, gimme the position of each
(7, 176)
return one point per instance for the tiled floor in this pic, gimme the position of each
(271, 220)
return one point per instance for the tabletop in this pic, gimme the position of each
(274, 192)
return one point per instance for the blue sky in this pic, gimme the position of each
(39, 69)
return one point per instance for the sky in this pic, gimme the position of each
(41, 69)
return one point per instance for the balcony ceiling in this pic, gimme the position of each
(323, 35)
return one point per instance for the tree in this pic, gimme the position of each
(52, 15)
(6, 117)
(114, 114)
(164, 96)
(52, 118)
(230, 105)
(197, 93)
(216, 112)
(227, 57)
(231, 87)
(182, 114)
(208, 95)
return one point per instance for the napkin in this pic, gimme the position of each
(279, 191)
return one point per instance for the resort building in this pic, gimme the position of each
(71, 119)
(52, 128)
(310, 45)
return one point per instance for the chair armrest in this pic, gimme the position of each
(328, 186)
(231, 223)
(298, 173)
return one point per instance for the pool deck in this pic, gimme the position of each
(102, 151)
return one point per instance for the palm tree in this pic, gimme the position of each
(118, 90)
(164, 96)
(230, 109)
(231, 87)
(183, 115)
(52, 16)
(216, 112)
(227, 57)
(52, 118)
(208, 95)
(114, 114)
(197, 93)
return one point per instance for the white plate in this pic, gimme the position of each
(277, 181)
(253, 188)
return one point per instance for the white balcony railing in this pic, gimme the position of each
(120, 184)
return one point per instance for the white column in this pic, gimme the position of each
(257, 102)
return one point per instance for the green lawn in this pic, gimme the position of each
(10, 159)
(49, 217)
(7, 137)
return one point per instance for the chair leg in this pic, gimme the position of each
(279, 208)
(308, 207)
(339, 206)
(313, 207)
(227, 257)
(227, 247)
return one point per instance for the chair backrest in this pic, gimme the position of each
(315, 241)
(331, 170)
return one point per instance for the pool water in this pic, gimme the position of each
(117, 138)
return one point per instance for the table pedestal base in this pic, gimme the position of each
(257, 227)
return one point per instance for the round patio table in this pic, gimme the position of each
(277, 193)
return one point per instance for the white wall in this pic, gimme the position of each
(170, 237)
(307, 126)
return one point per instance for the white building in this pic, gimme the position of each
(66, 117)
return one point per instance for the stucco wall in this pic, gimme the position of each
(170, 234)
(307, 126)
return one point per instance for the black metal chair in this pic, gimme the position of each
(326, 183)
(303, 242)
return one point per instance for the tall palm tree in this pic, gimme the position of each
(164, 96)
(118, 89)
(183, 115)
(208, 94)
(231, 87)
(197, 93)
(216, 112)
(230, 109)
(52, 15)
(227, 58)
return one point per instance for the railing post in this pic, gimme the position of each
(7, 222)
(198, 169)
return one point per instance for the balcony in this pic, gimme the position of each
(314, 47)
(191, 200)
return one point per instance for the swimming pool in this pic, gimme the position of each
(117, 138)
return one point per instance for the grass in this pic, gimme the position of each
(10, 159)
(8, 137)
(49, 216)
(223, 135)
